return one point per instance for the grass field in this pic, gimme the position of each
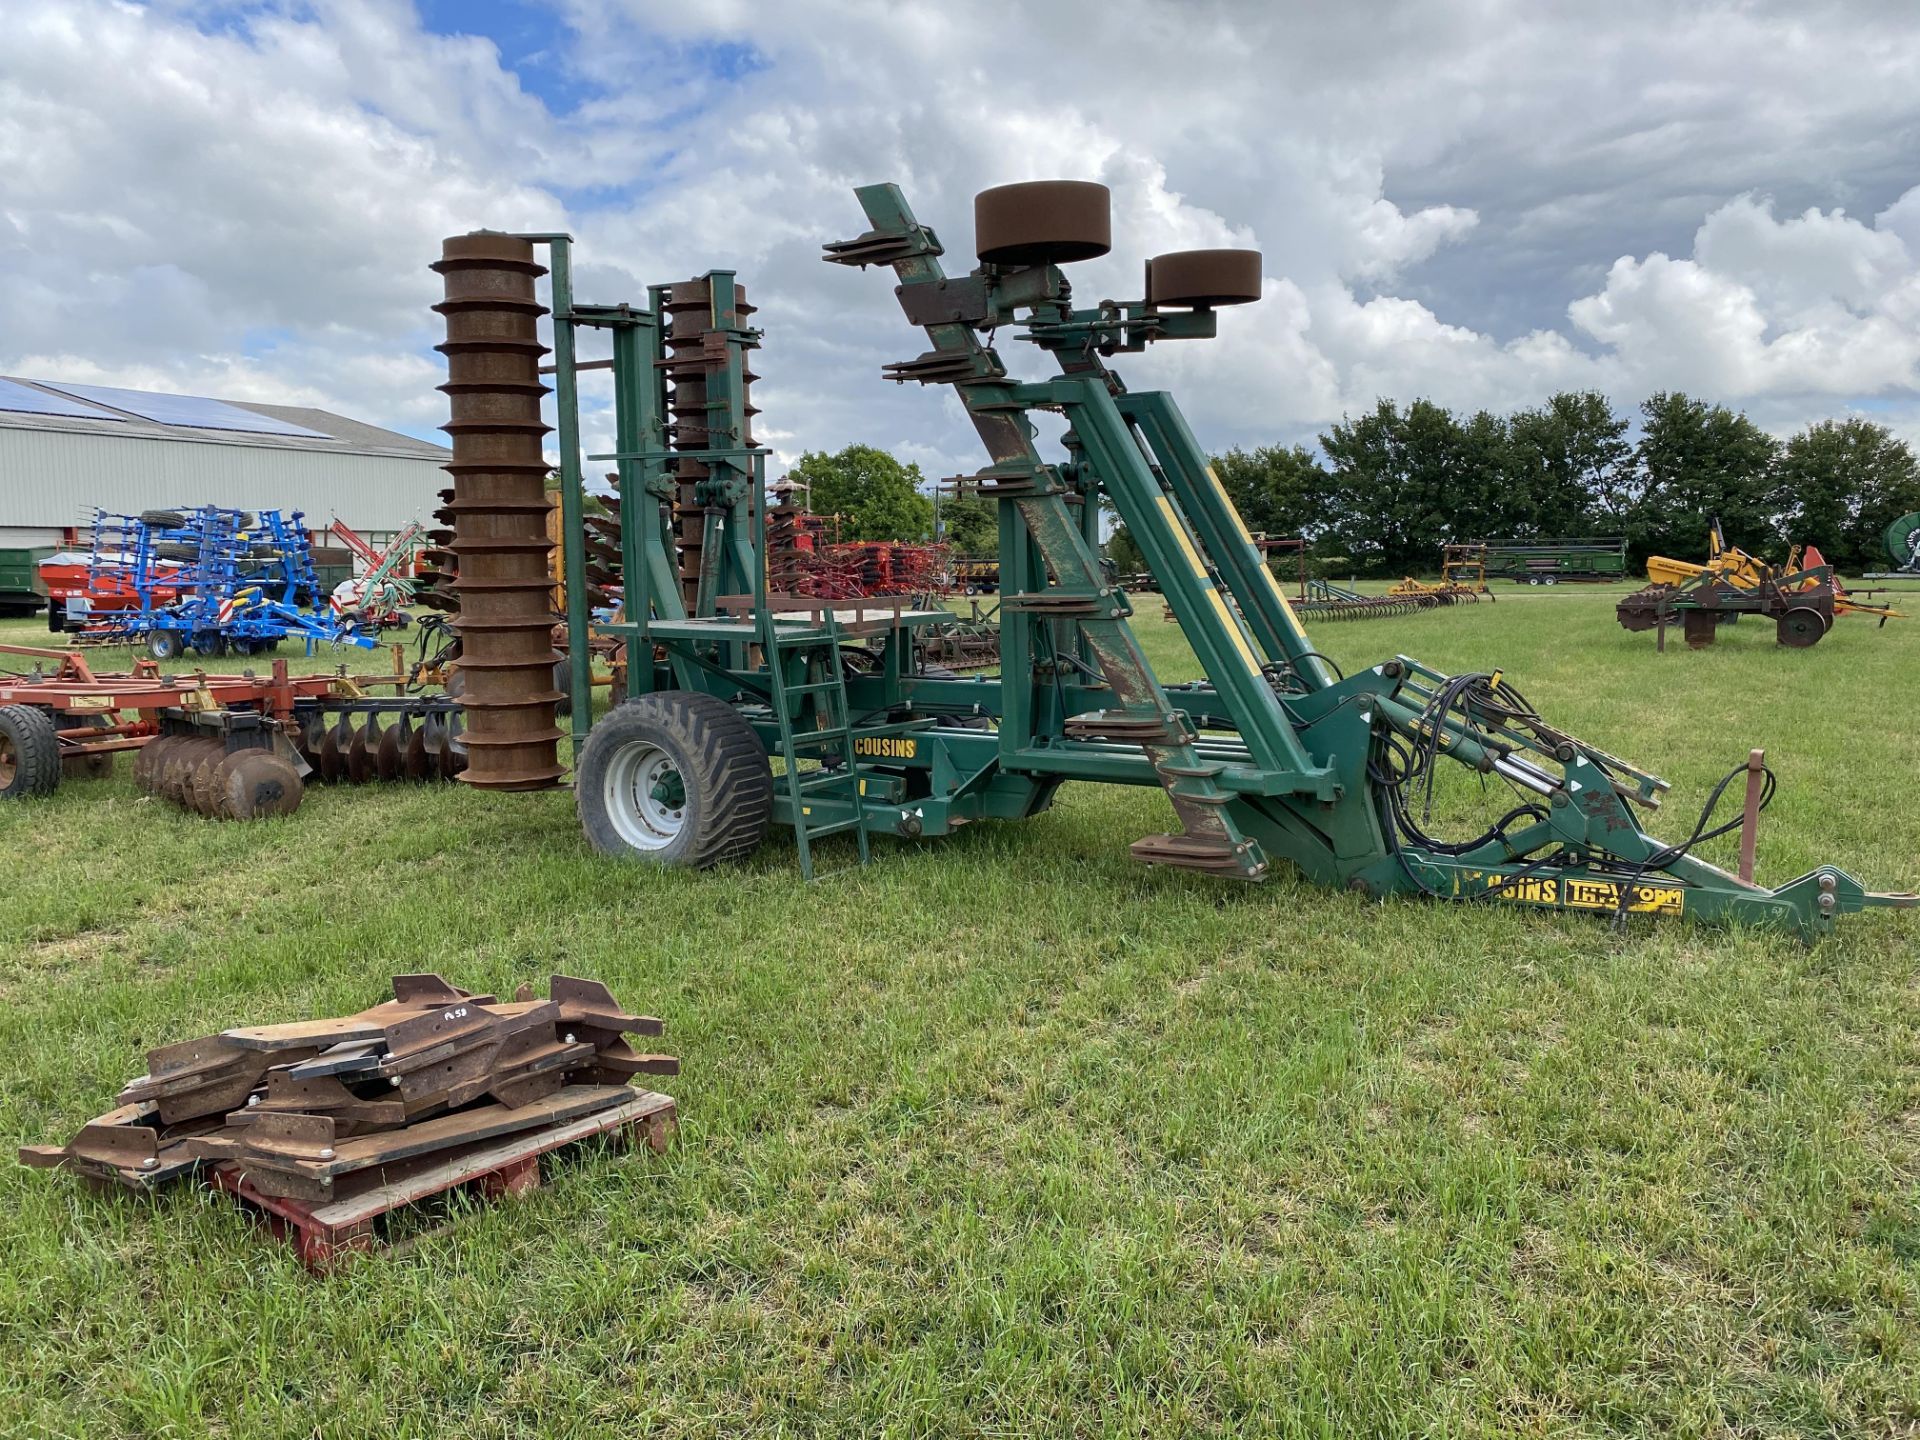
(1006, 1135)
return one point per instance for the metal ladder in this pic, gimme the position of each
(824, 698)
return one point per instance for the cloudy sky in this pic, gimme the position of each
(1478, 201)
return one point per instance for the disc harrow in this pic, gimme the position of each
(203, 774)
(361, 742)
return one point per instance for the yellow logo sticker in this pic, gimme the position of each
(1583, 894)
(887, 747)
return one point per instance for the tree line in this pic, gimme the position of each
(1391, 486)
(876, 497)
(1397, 484)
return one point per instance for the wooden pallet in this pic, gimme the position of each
(322, 1233)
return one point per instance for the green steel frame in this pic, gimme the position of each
(1274, 756)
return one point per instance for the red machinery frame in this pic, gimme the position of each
(73, 690)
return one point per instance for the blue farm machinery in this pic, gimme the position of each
(208, 579)
(747, 706)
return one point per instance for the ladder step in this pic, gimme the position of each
(823, 782)
(832, 827)
(834, 736)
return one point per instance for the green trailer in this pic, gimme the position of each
(1902, 542)
(21, 589)
(1553, 562)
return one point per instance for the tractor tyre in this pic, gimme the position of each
(1800, 627)
(674, 778)
(162, 519)
(176, 550)
(164, 644)
(29, 752)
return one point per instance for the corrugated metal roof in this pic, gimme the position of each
(348, 437)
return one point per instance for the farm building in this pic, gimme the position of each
(66, 448)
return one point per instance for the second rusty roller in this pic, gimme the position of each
(499, 511)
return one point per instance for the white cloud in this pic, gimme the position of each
(1474, 200)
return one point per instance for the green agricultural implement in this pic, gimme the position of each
(1274, 757)
(1902, 542)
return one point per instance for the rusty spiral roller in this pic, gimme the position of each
(605, 558)
(695, 350)
(499, 510)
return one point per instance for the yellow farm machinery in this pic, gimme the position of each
(1801, 597)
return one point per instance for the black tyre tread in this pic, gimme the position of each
(163, 519)
(729, 770)
(36, 750)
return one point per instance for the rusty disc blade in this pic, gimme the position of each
(260, 783)
(389, 759)
(361, 764)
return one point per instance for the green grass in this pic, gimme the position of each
(1006, 1135)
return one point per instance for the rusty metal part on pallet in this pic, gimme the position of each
(306, 1110)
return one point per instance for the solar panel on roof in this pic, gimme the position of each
(29, 401)
(190, 410)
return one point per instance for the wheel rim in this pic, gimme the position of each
(645, 796)
(6, 762)
(1801, 628)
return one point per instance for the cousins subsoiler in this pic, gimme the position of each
(1274, 757)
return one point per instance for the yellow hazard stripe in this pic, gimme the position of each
(1266, 575)
(1178, 529)
(1227, 503)
(1232, 624)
